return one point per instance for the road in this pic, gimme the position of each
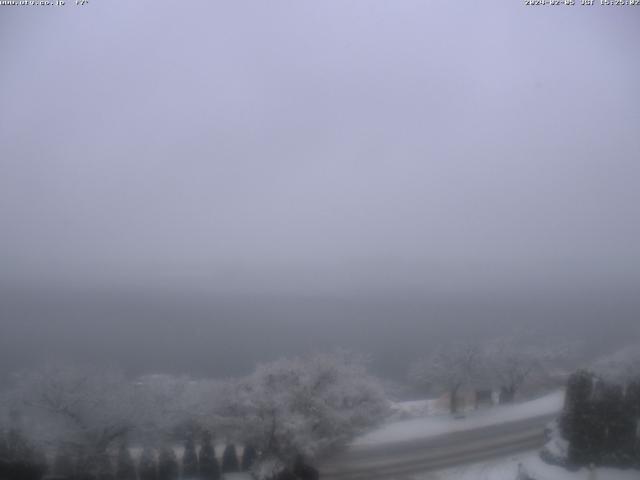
(399, 460)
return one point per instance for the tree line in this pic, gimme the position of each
(285, 413)
(505, 365)
(601, 420)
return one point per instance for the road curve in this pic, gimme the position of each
(401, 459)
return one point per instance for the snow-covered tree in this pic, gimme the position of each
(20, 459)
(599, 420)
(147, 466)
(285, 408)
(79, 410)
(577, 420)
(268, 468)
(305, 405)
(189, 459)
(303, 471)
(167, 464)
(510, 364)
(172, 405)
(622, 366)
(209, 468)
(448, 369)
(249, 455)
(125, 468)
(230, 459)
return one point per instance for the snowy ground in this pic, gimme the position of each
(507, 469)
(413, 409)
(498, 469)
(432, 425)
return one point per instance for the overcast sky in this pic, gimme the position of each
(320, 147)
(273, 143)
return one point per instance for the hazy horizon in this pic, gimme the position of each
(200, 188)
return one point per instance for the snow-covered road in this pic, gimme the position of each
(433, 442)
(400, 459)
(432, 425)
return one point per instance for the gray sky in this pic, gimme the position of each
(320, 148)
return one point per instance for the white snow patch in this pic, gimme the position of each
(413, 409)
(267, 468)
(440, 424)
(540, 470)
(507, 468)
(557, 447)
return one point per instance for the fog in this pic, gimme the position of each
(198, 187)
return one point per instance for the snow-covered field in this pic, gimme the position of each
(431, 425)
(507, 469)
